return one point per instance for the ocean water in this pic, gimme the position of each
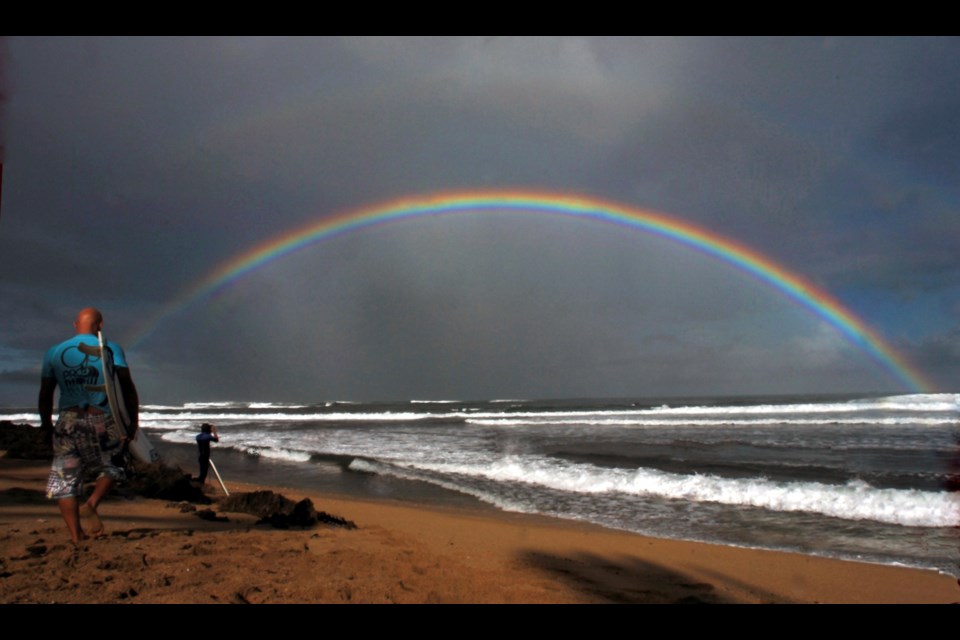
(865, 478)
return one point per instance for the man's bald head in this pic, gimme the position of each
(89, 320)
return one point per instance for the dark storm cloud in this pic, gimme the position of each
(925, 138)
(724, 167)
(3, 107)
(137, 165)
(938, 356)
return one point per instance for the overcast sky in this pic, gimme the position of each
(134, 167)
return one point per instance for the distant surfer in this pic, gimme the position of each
(208, 434)
(86, 439)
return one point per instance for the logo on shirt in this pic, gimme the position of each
(79, 368)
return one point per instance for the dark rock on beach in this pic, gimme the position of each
(211, 515)
(279, 511)
(23, 441)
(159, 481)
(262, 504)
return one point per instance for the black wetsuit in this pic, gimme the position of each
(203, 442)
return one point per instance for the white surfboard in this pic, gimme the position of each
(140, 446)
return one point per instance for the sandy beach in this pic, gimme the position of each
(153, 552)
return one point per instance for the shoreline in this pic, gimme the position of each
(405, 553)
(307, 478)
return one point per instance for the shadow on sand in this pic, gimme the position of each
(635, 581)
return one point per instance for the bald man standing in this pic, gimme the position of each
(86, 440)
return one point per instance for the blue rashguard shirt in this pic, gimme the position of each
(74, 370)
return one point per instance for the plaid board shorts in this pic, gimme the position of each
(83, 445)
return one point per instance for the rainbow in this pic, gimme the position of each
(751, 262)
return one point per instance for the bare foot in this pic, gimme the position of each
(96, 524)
(81, 536)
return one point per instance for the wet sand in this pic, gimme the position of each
(400, 553)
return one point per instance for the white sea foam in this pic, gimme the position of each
(853, 501)
(407, 474)
(22, 418)
(925, 409)
(211, 405)
(169, 425)
(703, 422)
(274, 405)
(261, 447)
(178, 436)
(288, 455)
(287, 417)
(946, 402)
(199, 406)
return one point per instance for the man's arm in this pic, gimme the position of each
(45, 407)
(130, 398)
